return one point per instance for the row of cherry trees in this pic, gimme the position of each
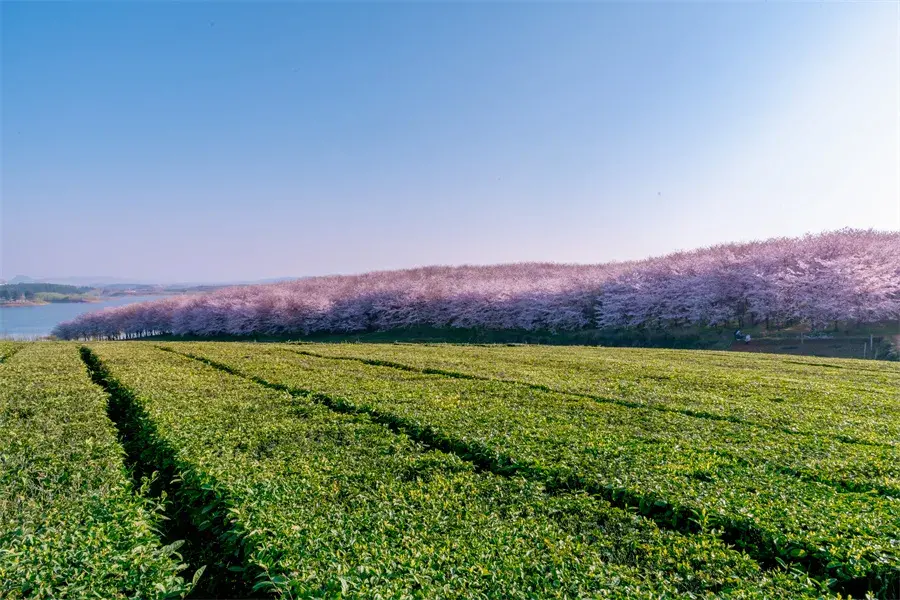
(847, 275)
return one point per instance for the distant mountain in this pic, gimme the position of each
(94, 281)
(113, 283)
(22, 279)
(219, 284)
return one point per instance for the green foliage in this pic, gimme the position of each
(56, 297)
(847, 399)
(8, 348)
(315, 502)
(690, 337)
(71, 525)
(400, 471)
(46, 292)
(764, 451)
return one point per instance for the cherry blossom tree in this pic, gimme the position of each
(846, 275)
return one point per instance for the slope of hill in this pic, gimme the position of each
(818, 280)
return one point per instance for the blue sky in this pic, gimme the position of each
(176, 141)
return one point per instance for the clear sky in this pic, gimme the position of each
(183, 141)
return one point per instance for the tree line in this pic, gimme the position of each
(11, 292)
(847, 275)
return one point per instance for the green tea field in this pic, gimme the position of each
(203, 469)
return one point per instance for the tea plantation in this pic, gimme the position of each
(176, 469)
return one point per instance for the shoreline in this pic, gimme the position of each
(44, 303)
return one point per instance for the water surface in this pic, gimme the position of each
(37, 321)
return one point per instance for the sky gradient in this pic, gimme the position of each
(218, 142)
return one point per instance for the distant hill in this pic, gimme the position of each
(817, 280)
(118, 283)
(22, 279)
(82, 281)
(18, 293)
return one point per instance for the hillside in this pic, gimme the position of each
(817, 280)
(396, 471)
(42, 293)
(366, 470)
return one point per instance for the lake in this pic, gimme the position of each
(38, 321)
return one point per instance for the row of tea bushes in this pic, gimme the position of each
(71, 525)
(687, 472)
(8, 348)
(812, 456)
(317, 503)
(847, 399)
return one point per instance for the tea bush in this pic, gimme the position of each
(817, 501)
(311, 502)
(71, 525)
